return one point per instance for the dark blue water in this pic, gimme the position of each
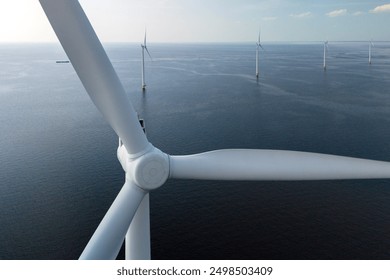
(59, 172)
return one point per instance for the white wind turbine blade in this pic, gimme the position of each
(102, 84)
(261, 46)
(137, 244)
(110, 234)
(258, 41)
(95, 70)
(237, 164)
(145, 47)
(148, 53)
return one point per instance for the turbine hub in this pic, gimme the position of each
(149, 171)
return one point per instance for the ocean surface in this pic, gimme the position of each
(59, 172)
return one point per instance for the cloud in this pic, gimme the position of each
(269, 18)
(337, 13)
(302, 15)
(381, 9)
(357, 13)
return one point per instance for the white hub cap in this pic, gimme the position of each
(150, 170)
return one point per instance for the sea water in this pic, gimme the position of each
(59, 172)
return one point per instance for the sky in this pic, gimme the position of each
(209, 20)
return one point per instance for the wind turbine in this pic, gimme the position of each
(144, 48)
(258, 46)
(370, 44)
(147, 168)
(325, 52)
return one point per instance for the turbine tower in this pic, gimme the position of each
(325, 52)
(147, 168)
(258, 46)
(144, 48)
(370, 44)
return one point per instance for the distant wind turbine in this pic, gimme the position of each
(258, 46)
(325, 52)
(144, 48)
(369, 51)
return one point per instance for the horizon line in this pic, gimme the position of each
(205, 42)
